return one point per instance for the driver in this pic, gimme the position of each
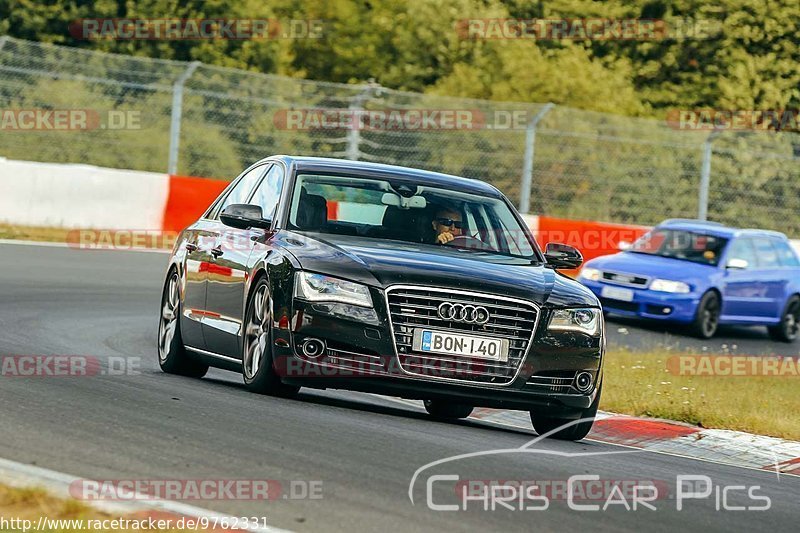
(447, 225)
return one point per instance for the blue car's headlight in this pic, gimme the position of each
(582, 320)
(590, 273)
(665, 285)
(320, 288)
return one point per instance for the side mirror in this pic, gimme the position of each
(737, 264)
(244, 216)
(562, 256)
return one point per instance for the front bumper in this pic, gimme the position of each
(648, 304)
(362, 356)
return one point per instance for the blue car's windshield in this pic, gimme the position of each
(680, 244)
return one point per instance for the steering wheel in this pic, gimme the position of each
(466, 241)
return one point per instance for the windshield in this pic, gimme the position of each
(394, 210)
(680, 244)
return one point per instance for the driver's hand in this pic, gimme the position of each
(444, 238)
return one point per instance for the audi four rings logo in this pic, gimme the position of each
(471, 314)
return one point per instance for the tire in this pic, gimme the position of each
(172, 356)
(447, 410)
(544, 424)
(706, 320)
(257, 364)
(789, 328)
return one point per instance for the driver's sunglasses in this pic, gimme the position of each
(450, 222)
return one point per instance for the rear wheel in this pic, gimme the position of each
(544, 424)
(706, 320)
(443, 409)
(789, 328)
(172, 356)
(257, 363)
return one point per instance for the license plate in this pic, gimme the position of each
(456, 344)
(615, 293)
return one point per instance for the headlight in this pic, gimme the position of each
(591, 274)
(665, 285)
(580, 320)
(320, 288)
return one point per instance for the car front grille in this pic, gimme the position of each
(417, 308)
(629, 280)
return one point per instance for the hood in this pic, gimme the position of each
(381, 263)
(651, 266)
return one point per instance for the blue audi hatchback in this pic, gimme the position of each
(703, 274)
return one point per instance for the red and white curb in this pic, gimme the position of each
(721, 446)
(21, 475)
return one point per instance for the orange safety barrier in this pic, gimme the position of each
(593, 239)
(188, 199)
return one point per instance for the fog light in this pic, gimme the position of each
(583, 381)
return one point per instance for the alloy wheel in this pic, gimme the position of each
(711, 316)
(791, 321)
(257, 333)
(169, 317)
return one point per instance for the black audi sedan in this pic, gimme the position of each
(326, 273)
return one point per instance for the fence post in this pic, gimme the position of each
(3, 40)
(356, 108)
(175, 121)
(705, 177)
(527, 166)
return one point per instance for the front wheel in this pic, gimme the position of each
(257, 363)
(706, 320)
(172, 356)
(578, 430)
(789, 328)
(447, 410)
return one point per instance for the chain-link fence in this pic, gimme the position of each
(201, 120)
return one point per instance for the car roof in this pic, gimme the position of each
(379, 170)
(717, 229)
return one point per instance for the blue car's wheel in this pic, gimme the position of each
(789, 328)
(706, 320)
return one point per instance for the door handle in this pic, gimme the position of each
(216, 252)
(191, 247)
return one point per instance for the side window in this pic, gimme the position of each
(766, 254)
(786, 255)
(268, 193)
(743, 249)
(240, 192)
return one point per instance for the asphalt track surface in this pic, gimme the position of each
(364, 449)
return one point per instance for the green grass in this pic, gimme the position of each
(641, 384)
(33, 503)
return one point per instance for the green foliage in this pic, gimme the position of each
(742, 54)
